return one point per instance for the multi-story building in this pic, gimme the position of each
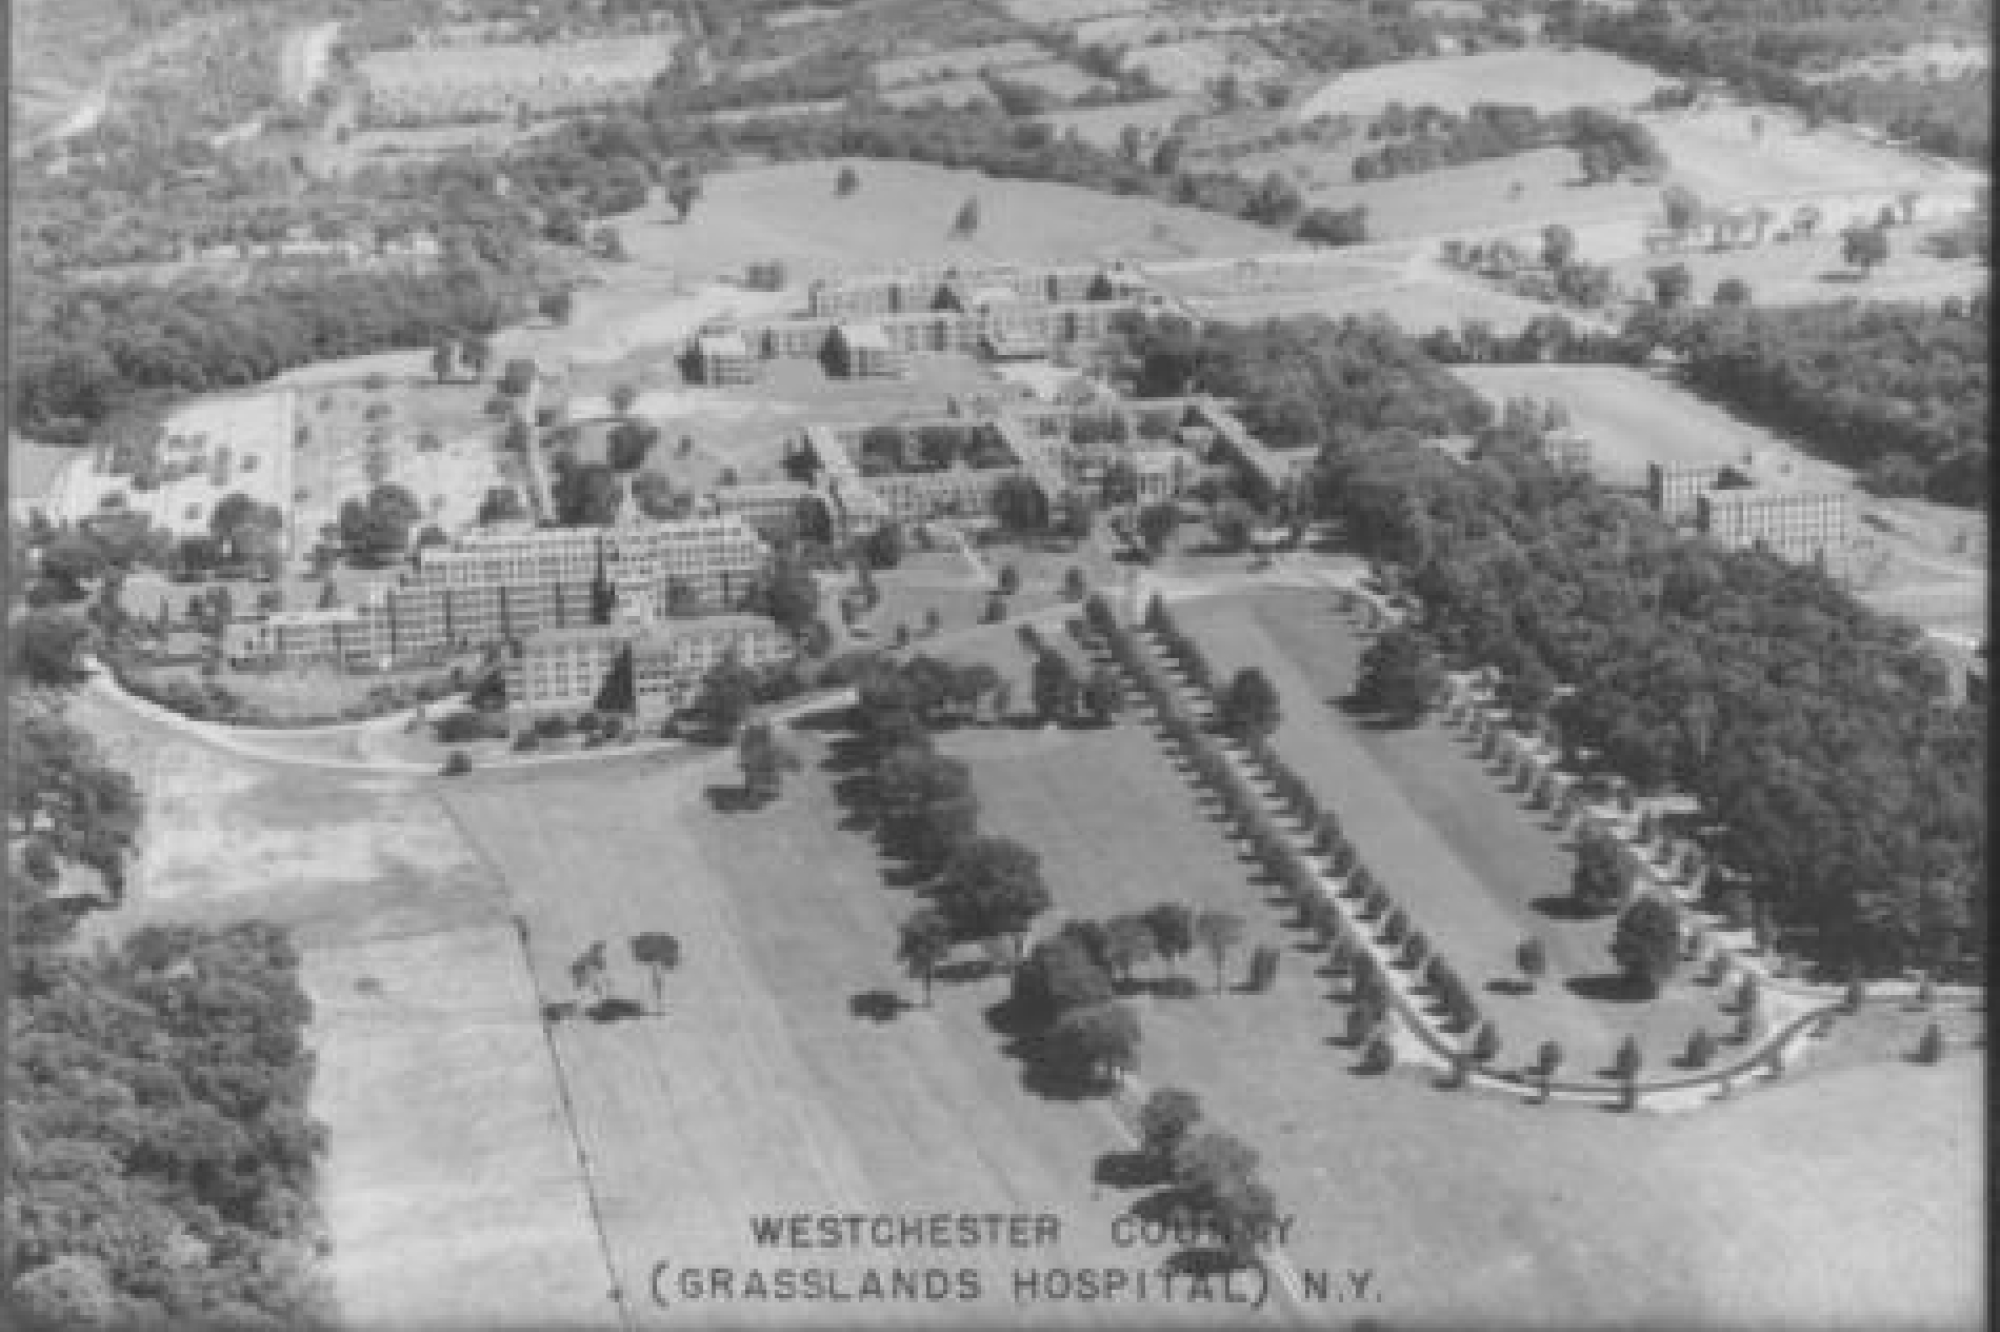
(864, 351)
(575, 669)
(772, 508)
(1796, 524)
(1673, 488)
(722, 356)
(501, 584)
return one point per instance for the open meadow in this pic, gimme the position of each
(1541, 77)
(450, 1189)
(766, 1087)
(903, 214)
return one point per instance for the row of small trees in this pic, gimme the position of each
(1248, 710)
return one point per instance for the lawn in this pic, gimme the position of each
(1542, 77)
(903, 214)
(1477, 870)
(1630, 417)
(763, 1089)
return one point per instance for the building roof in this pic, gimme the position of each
(654, 634)
(722, 344)
(864, 337)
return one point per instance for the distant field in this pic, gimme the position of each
(1544, 78)
(953, 92)
(1811, 271)
(1104, 126)
(1715, 153)
(903, 214)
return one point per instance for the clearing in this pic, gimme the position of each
(450, 1189)
(1541, 77)
(902, 215)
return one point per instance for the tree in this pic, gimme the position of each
(1865, 247)
(444, 359)
(1930, 1046)
(1701, 1048)
(1682, 208)
(1486, 1043)
(1532, 957)
(1058, 977)
(764, 761)
(1558, 246)
(727, 693)
(993, 885)
(1213, 1164)
(967, 221)
(1128, 941)
(1672, 284)
(789, 592)
(847, 182)
(1245, 1215)
(1010, 580)
(557, 305)
(48, 647)
(1248, 709)
(659, 953)
(1628, 1061)
(923, 942)
(587, 970)
(1172, 925)
(623, 395)
(1165, 1120)
(1157, 524)
(1219, 932)
(683, 190)
(1104, 694)
(1399, 675)
(1733, 292)
(1601, 880)
(1647, 942)
(1099, 1043)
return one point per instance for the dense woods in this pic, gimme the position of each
(1899, 392)
(160, 1157)
(1832, 771)
(1768, 51)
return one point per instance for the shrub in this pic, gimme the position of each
(1486, 1044)
(1381, 1055)
(1930, 1046)
(1700, 1049)
(457, 764)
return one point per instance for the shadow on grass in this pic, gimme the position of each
(614, 1010)
(1127, 1170)
(1561, 906)
(731, 799)
(877, 1005)
(839, 718)
(1610, 987)
(1509, 985)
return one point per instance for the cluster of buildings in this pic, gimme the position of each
(869, 326)
(551, 597)
(1722, 503)
(420, 86)
(1160, 449)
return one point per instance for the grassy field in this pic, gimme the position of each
(1630, 417)
(903, 214)
(762, 1089)
(1812, 271)
(1471, 862)
(1546, 79)
(450, 1188)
